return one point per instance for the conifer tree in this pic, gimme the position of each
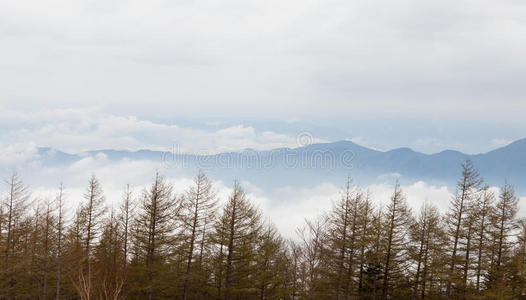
(271, 279)
(125, 223)
(312, 238)
(45, 232)
(396, 222)
(366, 236)
(109, 261)
(15, 204)
(89, 221)
(154, 236)
(504, 223)
(60, 233)
(240, 224)
(483, 210)
(92, 212)
(426, 236)
(517, 276)
(343, 235)
(374, 257)
(467, 188)
(198, 206)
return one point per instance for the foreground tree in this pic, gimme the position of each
(344, 233)
(504, 223)
(60, 234)
(109, 261)
(186, 247)
(467, 189)
(15, 226)
(396, 222)
(483, 210)
(198, 205)
(89, 222)
(427, 239)
(517, 267)
(153, 234)
(127, 209)
(238, 230)
(309, 258)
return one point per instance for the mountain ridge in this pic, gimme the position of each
(514, 144)
(326, 162)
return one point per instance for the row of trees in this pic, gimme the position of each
(159, 245)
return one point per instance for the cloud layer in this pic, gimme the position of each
(77, 130)
(286, 206)
(284, 58)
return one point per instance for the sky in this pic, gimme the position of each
(213, 76)
(430, 76)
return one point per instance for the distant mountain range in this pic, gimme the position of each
(326, 162)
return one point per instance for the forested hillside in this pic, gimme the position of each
(158, 244)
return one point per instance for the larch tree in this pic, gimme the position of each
(366, 236)
(92, 211)
(60, 234)
(483, 210)
(396, 222)
(517, 268)
(467, 189)
(126, 210)
(504, 224)
(90, 220)
(198, 205)
(421, 230)
(45, 247)
(433, 259)
(15, 207)
(109, 261)
(271, 279)
(343, 235)
(154, 236)
(240, 226)
(312, 237)
(371, 287)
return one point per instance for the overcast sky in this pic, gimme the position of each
(223, 75)
(429, 75)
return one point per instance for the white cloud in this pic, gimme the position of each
(364, 143)
(17, 153)
(80, 130)
(297, 204)
(287, 206)
(416, 194)
(501, 142)
(428, 143)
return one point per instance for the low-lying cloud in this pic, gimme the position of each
(81, 130)
(286, 206)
